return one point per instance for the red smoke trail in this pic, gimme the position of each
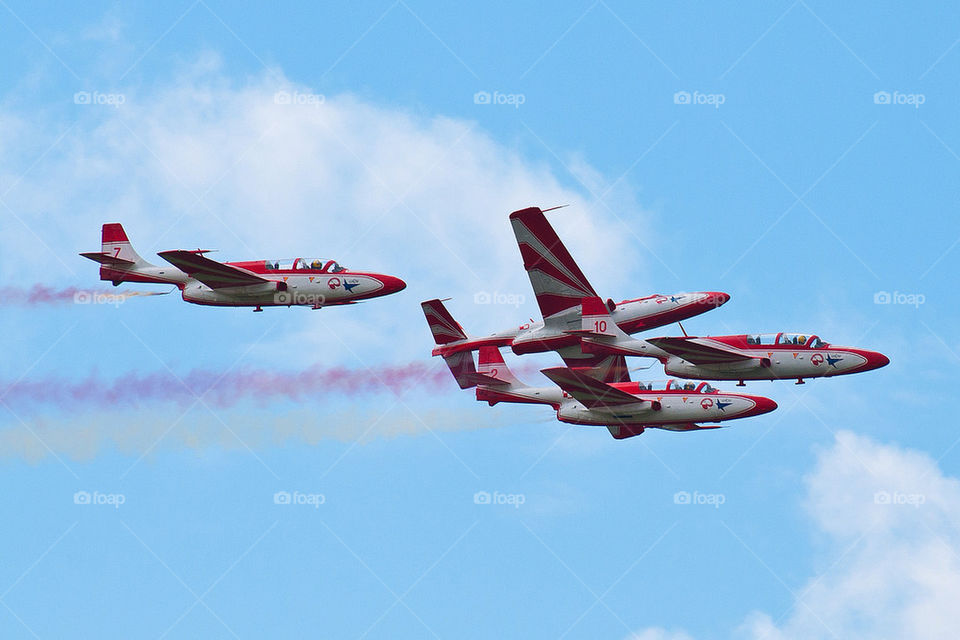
(225, 390)
(222, 390)
(41, 294)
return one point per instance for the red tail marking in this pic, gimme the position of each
(113, 232)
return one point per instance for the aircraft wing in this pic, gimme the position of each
(556, 279)
(698, 353)
(591, 392)
(603, 367)
(215, 275)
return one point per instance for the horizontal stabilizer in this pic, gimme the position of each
(698, 353)
(484, 380)
(589, 391)
(110, 261)
(463, 369)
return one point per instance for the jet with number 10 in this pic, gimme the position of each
(255, 283)
(560, 286)
(770, 356)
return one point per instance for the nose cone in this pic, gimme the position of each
(875, 360)
(762, 405)
(714, 298)
(391, 284)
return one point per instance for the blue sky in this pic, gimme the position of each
(813, 168)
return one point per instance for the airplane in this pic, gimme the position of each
(625, 408)
(770, 356)
(560, 285)
(255, 283)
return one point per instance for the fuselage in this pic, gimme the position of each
(560, 330)
(775, 356)
(290, 282)
(671, 403)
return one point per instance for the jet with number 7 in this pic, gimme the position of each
(255, 283)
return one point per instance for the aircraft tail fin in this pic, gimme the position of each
(114, 242)
(119, 261)
(596, 319)
(493, 366)
(444, 328)
(557, 281)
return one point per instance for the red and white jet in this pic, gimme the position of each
(559, 286)
(256, 283)
(625, 408)
(770, 356)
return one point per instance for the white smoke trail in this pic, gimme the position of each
(85, 437)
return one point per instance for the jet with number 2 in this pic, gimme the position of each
(255, 283)
(625, 408)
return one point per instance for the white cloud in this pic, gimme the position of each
(656, 633)
(204, 161)
(891, 567)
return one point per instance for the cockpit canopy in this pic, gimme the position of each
(677, 385)
(302, 264)
(798, 339)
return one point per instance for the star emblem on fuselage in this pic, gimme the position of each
(349, 286)
(833, 360)
(723, 404)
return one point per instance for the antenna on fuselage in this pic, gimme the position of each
(643, 368)
(559, 206)
(680, 324)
